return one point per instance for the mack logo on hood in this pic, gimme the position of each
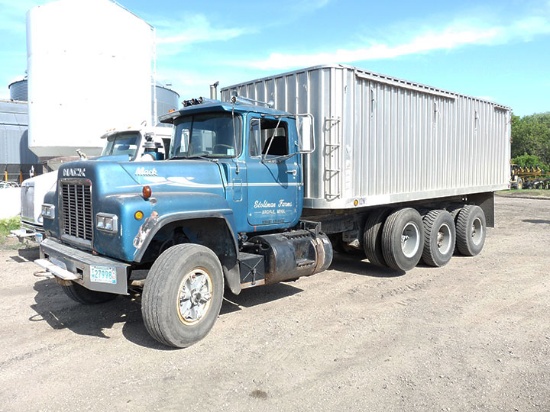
(75, 172)
(141, 171)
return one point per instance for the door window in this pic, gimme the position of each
(268, 137)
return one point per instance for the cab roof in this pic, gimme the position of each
(205, 105)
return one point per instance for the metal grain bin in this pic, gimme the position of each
(382, 140)
(19, 90)
(166, 100)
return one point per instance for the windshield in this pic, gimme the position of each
(122, 144)
(214, 135)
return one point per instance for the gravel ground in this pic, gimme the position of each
(473, 335)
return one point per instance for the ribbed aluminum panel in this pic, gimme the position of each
(382, 140)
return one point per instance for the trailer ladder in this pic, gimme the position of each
(332, 158)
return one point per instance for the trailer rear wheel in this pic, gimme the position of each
(183, 295)
(402, 239)
(470, 230)
(85, 296)
(372, 237)
(439, 238)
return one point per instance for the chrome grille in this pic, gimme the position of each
(77, 210)
(27, 202)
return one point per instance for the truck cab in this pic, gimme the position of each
(258, 155)
(223, 209)
(133, 144)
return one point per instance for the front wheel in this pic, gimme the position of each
(183, 295)
(85, 296)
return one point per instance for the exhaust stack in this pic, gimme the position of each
(214, 91)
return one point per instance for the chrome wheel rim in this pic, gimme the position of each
(410, 240)
(477, 231)
(444, 239)
(194, 296)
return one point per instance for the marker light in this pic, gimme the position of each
(138, 215)
(146, 192)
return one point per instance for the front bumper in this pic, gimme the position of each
(29, 231)
(97, 273)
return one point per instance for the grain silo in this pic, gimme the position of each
(165, 100)
(90, 68)
(19, 90)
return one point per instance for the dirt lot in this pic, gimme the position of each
(472, 335)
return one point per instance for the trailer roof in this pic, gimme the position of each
(373, 76)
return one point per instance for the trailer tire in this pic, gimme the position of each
(80, 294)
(470, 230)
(403, 239)
(183, 295)
(439, 238)
(372, 237)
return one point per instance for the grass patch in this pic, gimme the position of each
(9, 224)
(5, 226)
(525, 193)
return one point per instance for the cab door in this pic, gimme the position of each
(274, 175)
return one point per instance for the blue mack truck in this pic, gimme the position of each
(194, 218)
(252, 195)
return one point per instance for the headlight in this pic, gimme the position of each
(107, 222)
(48, 211)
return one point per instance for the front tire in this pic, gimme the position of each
(403, 239)
(183, 295)
(85, 296)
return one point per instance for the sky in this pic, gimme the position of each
(498, 50)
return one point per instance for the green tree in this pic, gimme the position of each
(527, 160)
(531, 136)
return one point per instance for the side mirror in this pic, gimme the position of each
(306, 136)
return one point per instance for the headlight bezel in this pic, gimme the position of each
(48, 211)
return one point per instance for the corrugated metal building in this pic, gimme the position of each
(16, 160)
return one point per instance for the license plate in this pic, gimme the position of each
(103, 274)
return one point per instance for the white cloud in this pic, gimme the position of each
(195, 29)
(457, 34)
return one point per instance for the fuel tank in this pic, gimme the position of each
(290, 255)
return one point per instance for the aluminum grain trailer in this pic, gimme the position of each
(392, 153)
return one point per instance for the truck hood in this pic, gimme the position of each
(178, 175)
(190, 186)
(171, 176)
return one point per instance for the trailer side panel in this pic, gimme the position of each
(382, 140)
